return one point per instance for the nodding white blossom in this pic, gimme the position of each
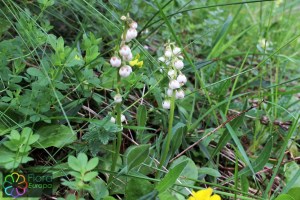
(118, 98)
(174, 84)
(123, 18)
(128, 58)
(166, 104)
(176, 50)
(123, 118)
(115, 61)
(125, 50)
(162, 59)
(168, 53)
(178, 64)
(179, 94)
(171, 73)
(181, 78)
(133, 25)
(113, 120)
(173, 62)
(125, 71)
(131, 34)
(169, 92)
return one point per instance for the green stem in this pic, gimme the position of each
(169, 135)
(117, 144)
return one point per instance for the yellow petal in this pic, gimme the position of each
(215, 197)
(140, 64)
(191, 198)
(133, 62)
(203, 194)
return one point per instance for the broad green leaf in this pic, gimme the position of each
(137, 188)
(54, 135)
(290, 170)
(82, 157)
(171, 177)
(294, 192)
(177, 133)
(74, 163)
(89, 176)
(190, 171)
(74, 59)
(75, 174)
(209, 171)
(166, 195)
(35, 72)
(92, 164)
(285, 197)
(98, 189)
(141, 116)
(136, 155)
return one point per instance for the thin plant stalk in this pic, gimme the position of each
(117, 144)
(169, 135)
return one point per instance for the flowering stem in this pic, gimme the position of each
(169, 135)
(117, 144)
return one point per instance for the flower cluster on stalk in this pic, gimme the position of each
(123, 57)
(173, 64)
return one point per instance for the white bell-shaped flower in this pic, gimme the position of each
(118, 98)
(113, 120)
(181, 78)
(178, 64)
(171, 73)
(125, 50)
(128, 58)
(168, 53)
(125, 71)
(131, 34)
(174, 84)
(169, 92)
(115, 61)
(176, 50)
(133, 25)
(166, 104)
(179, 94)
(123, 118)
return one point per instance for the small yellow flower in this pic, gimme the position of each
(204, 195)
(136, 62)
(77, 57)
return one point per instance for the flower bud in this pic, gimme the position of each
(178, 64)
(113, 120)
(118, 98)
(176, 50)
(128, 58)
(131, 34)
(125, 71)
(123, 118)
(166, 104)
(115, 61)
(133, 25)
(171, 73)
(169, 92)
(162, 59)
(168, 53)
(179, 94)
(125, 50)
(174, 84)
(181, 78)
